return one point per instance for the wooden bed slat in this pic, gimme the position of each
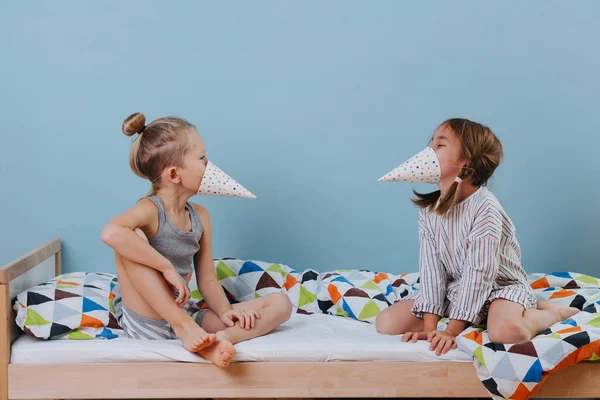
(23, 264)
(280, 380)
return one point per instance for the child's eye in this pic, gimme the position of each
(203, 157)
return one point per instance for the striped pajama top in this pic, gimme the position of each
(469, 258)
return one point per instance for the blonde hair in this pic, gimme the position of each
(161, 144)
(483, 152)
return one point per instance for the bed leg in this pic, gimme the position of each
(5, 315)
(57, 263)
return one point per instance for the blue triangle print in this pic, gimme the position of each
(389, 290)
(535, 373)
(346, 308)
(89, 305)
(342, 279)
(249, 266)
(562, 275)
(569, 322)
(106, 334)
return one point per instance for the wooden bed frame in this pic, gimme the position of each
(240, 380)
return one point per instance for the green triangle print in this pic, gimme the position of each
(595, 322)
(370, 310)
(306, 297)
(34, 318)
(276, 268)
(341, 313)
(223, 271)
(66, 286)
(370, 285)
(256, 295)
(552, 336)
(78, 335)
(594, 357)
(196, 295)
(478, 353)
(587, 279)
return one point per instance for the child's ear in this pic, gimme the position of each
(173, 175)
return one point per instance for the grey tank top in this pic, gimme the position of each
(176, 245)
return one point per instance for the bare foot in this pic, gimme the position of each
(195, 338)
(562, 312)
(220, 353)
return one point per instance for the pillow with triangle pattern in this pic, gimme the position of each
(362, 294)
(75, 306)
(244, 280)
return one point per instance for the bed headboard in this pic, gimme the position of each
(33, 268)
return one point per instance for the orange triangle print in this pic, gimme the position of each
(521, 393)
(474, 336)
(60, 282)
(582, 353)
(90, 322)
(334, 293)
(380, 277)
(540, 284)
(290, 281)
(562, 293)
(569, 330)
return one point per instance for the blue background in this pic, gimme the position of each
(306, 104)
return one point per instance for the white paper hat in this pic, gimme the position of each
(423, 167)
(215, 182)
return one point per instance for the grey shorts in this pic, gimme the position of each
(137, 326)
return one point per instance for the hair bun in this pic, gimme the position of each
(133, 124)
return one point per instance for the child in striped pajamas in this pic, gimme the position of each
(470, 260)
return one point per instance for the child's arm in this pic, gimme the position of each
(433, 279)
(430, 322)
(119, 234)
(481, 267)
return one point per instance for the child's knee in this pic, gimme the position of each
(283, 303)
(384, 324)
(509, 332)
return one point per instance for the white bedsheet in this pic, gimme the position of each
(304, 338)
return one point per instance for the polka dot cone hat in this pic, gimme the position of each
(423, 167)
(215, 182)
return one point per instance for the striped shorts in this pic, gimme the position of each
(520, 294)
(137, 326)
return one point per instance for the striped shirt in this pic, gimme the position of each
(469, 258)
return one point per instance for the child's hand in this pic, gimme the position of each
(247, 318)
(442, 342)
(178, 286)
(414, 336)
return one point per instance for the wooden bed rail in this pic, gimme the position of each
(24, 263)
(8, 273)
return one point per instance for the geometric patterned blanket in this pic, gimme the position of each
(518, 371)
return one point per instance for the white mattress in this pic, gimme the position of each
(304, 338)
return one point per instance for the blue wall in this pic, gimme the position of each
(306, 104)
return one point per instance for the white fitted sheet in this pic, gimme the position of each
(304, 338)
